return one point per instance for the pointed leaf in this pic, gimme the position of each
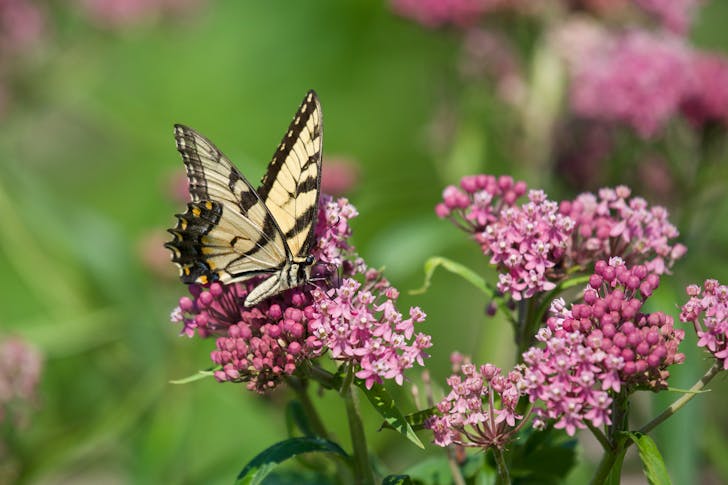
(415, 420)
(385, 406)
(260, 466)
(201, 374)
(463, 271)
(397, 480)
(652, 463)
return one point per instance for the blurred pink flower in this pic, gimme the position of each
(178, 187)
(436, 13)
(123, 13)
(21, 25)
(20, 370)
(707, 98)
(638, 79)
(154, 256)
(338, 175)
(675, 15)
(491, 55)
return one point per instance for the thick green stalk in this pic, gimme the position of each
(362, 469)
(504, 477)
(683, 400)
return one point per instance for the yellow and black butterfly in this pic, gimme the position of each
(232, 232)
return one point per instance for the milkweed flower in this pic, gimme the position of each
(436, 13)
(707, 310)
(707, 97)
(480, 408)
(616, 224)
(675, 15)
(603, 346)
(360, 324)
(637, 78)
(525, 242)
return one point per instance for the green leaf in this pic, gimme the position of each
(415, 420)
(397, 480)
(263, 464)
(463, 271)
(296, 418)
(652, 463)
(385, 406)
(544, 457)
(201, 374)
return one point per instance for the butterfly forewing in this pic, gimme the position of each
(290, 187)
(237, 240)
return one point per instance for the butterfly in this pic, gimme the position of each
(232, 232)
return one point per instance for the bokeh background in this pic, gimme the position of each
(414, 94)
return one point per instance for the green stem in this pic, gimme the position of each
(301, 388)
(679, 403)
(605, 466)
(504, 477)
(362, 470)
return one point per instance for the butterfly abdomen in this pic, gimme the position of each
(187, 246)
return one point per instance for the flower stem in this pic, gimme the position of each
(680, 402)
(301, 388)
(504, 477)
(362, 470)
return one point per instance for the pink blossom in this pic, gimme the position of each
(603, 346)
(22, 24)
(675, 15)
(707, 310)
(524, 242)
(436, 13)
(339, 175)
(20, 370)
(706, 99)
(637, 78)
(480, 408)
(122, 13)
(361, 324)
(616, 224)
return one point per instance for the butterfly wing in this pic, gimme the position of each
(227, 233)
(290, 187)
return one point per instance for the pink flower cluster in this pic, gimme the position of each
(361, 324)
(436, 13)
(604, 344)
(258, 345)
(123, 13)
(20, 370)
(707, 98)
(707, 310)
(263, 344)
(675, 15)
(524, 242)
(480, 409)
(616, 225)
(638, 79)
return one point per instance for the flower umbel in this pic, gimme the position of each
(616, 224)
(361, 324)
(707, 310)
(605, 344)
(480, 409)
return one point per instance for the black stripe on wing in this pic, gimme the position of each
(290, 187)
(192, 226)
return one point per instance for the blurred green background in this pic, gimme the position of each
(87, 176)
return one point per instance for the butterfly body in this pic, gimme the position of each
(232, 232)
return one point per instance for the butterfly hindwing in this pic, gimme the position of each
(231, 232)
(290, 187)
